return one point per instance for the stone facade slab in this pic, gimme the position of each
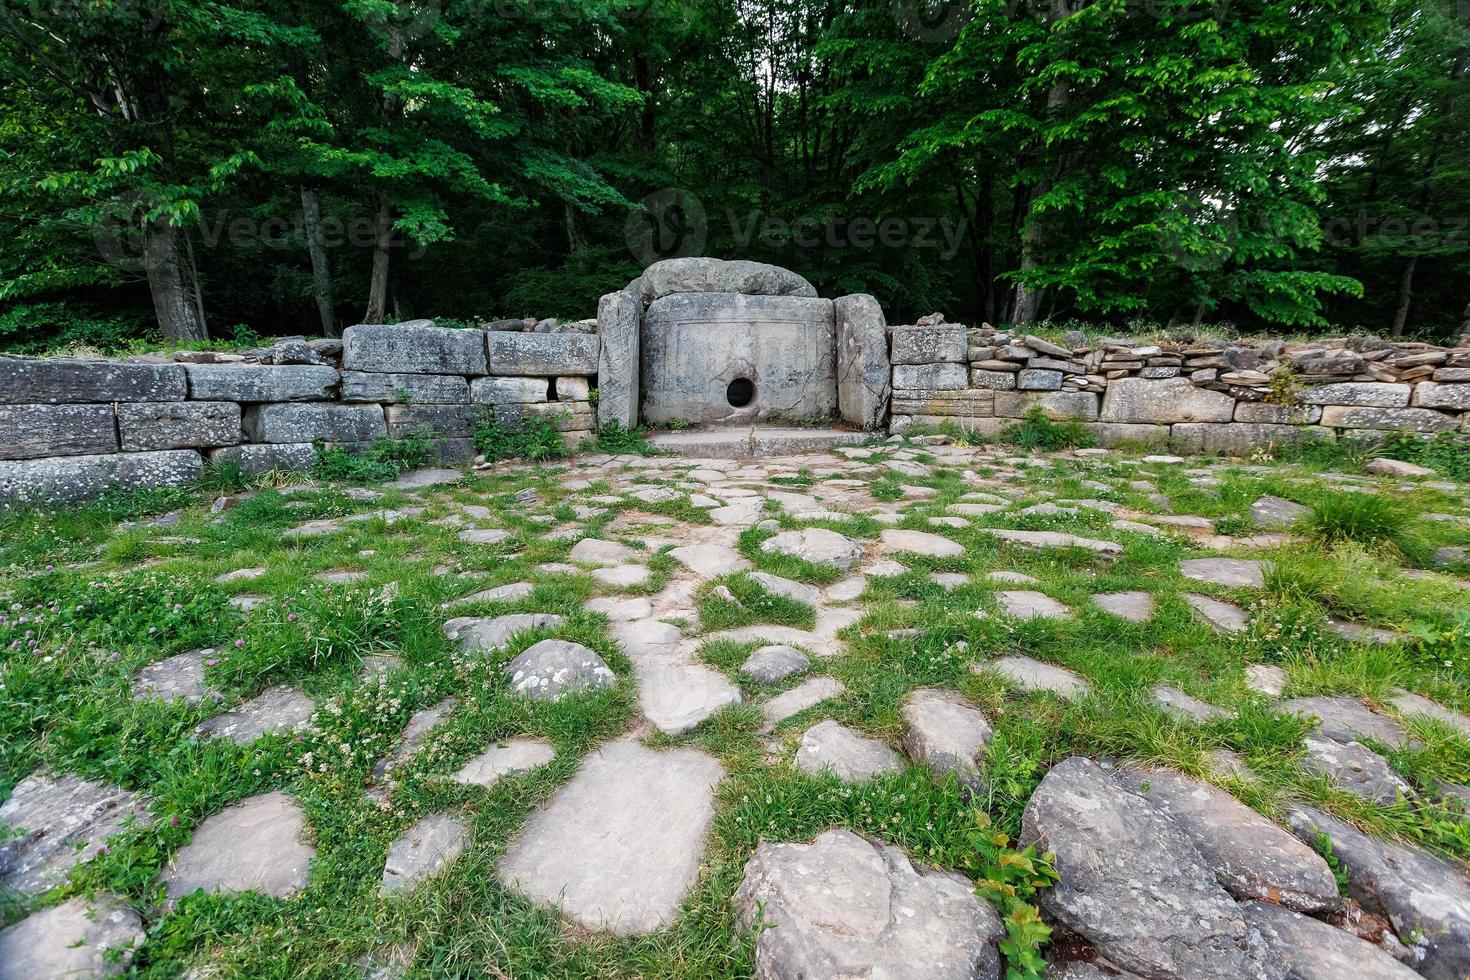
(1059, 405)
(943, 343)
(508, 391)
(1432, 394)
(177, 425)
(69, 380)
(542, 354)
(405, 389)
(293, 422)
(64, 479)
(864, 374)
(36, 431)
(445, 421)
(260, 382)
(1169, 400)
(1390, 419)
(618, 324)
(253, 459)
(934, 377)
(1371, 394)
(413, 348)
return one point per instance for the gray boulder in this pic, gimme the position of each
(1249, 855)
(843, 907)
(1425, 899)
(32, 431)
(413, 348)
(946, 733)
(177, 425)
(816, 545)
(705, 275)
(58, 823)
(864, 374)
(552, 669)
(485, 634)
(81, 938)
(1277, 512)
(1313, 950)
(774, 663)
(1134, 886)
(831, 747)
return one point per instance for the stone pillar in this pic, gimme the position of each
(618, 322)
(864, 375)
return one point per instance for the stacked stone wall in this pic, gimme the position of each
(1211, 396)
(70, 428)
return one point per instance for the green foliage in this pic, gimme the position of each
(1374, 520)
(385, 459)
(1036, 430)
(1447, 452)
(1339, 873)
(613, 438)
(1010, 879)
(535, 437)
(53, 327)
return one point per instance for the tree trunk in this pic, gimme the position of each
(378, 286)
(175, 300)
(321, 269)
(1406, 295)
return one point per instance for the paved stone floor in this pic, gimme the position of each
(615, 661)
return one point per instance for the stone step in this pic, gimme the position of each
(745, 442)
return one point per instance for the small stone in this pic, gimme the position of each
(622, 576)
(946, 733)
(949, 581)
(1186, 708)
(79, 939)
(1348, 718)
(178, 677)
(816, 545)
(1224, 617)
(1136, 607)
(1229, 572)
(920, 543)
(1383, 466)
(776, 585)
(1277, 512)
(1033, 675)
(490, 536)
(552, 669)
(1416, 704)
(1052, 539)
(279, 710)
(255, 845)
(603, 554)
(647, 641)
(775, 663)
(1032, 605)
(501, 760)
(1265, 679)
(831, 747)
(1015, 578)
(620, 610)
(844, 907)
(710, 560)
(424, 851)
(489, 634)
(1357, 769)
(805, 695)
(514, 592)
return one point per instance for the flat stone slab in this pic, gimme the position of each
(895, 540)
(816, 545)
(1277, 512)
(1223, 617)
(420, 724)
(254, 846)
(620, 610)
(1314, 950)
(1033, 675)
(1424, 898)
(830, 747)
(1133, 885)
(619, 845)
(1357, 769)
(805, 695)
(844, 907)
(1265, 679)
(79, 938)
(178, 677)
(774, 663)
(1250, 856)
(503, 759)
(1012, 578)
(1136, 607)
(428, 477)
(776, 585)
(646, 641)
(710, 560)
(276, 711)
(1053, 539)
(1231, 572)
(58, 822)
(622, 576)
(946, 733)
(425, 850)
(1187, 708)
(678, 697)
(1348, 718)
(1032, 605)
(513, 592)
(488, 634)
(1417, 704)
(604, 554)
(493, 535)
(552, 669)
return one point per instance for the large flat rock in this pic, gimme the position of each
(831, 747)
(1314, 950)
(57, 823)
(816, 545)
(276, 711)
(425, 850)
(1133, 885)
(678, 697)
(620, 845)
(1346, 718)
(844, 907)
(946, 733)
(79, 939)
(256, 845)
(706, 275)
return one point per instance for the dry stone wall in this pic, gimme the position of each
(70, 428)
(1210, 396)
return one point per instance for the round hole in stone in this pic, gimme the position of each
(740, 393)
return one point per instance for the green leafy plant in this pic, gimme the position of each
(1373, 520)
(613, 438)
(535, 437)
(1324, 847)
(1009, 879)
(1035, 430)
(383, 460)
(1447, 452)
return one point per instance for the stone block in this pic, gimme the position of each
(711, 357)
(1388, 419)
(1240, 438)
(254, 459)
(1371, 394)
(443, 421)
(260, 383)
(65, 479)
(1057, 405)
(1169, 400)
(571, 389)
(983, 428)
(508, 391)
(706, 275)
(569, 416)
(967, 401)
(1158, 373)
(934, 377)
(413, 348)
(1037, 380)
(864, 373)
(455, 451)
(1277, 414)
(314, 422)
(618, 320)
(405, 389)
(1432, 394)
(994, 380)
(542, 354)
(33, 431)
(942, 343)
(177, 425)
(1110, 434)
(1052, 364)
(66, 380)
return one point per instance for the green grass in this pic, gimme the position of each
(135, 598)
